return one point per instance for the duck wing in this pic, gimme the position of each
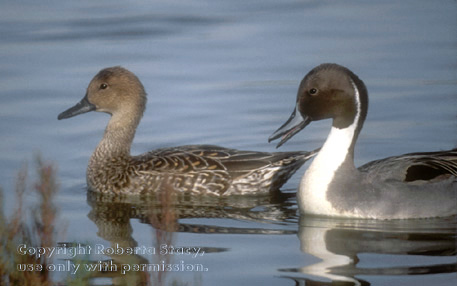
(224, 169)
(424, 166)
(261, 171)
(211, 157)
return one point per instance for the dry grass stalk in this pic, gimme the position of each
(17, 231)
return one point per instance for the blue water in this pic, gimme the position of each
(226, 73)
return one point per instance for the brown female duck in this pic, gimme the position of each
(202, 169)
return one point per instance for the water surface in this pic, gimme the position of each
(226, 73)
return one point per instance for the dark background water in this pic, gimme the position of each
(226, 73)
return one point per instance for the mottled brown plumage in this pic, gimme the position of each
(200, 169)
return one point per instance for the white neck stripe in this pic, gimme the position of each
(317, 179)
(357, 102)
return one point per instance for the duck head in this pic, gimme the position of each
(329, 91)
(113, 90)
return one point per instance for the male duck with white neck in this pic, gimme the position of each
(416, 185)
(196, 169)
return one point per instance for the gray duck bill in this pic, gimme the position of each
(81, 107)
(293, 125)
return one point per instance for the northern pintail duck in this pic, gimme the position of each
(203, 169)
(416, 185)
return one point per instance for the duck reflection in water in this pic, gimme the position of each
(349, 249)
(163, 211)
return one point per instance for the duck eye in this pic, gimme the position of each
(103, 86)
(312, 91)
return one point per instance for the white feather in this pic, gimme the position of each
(312, 194)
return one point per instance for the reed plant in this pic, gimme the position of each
(37, 226)
(17, 229)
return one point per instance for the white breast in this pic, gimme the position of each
(312, 195)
